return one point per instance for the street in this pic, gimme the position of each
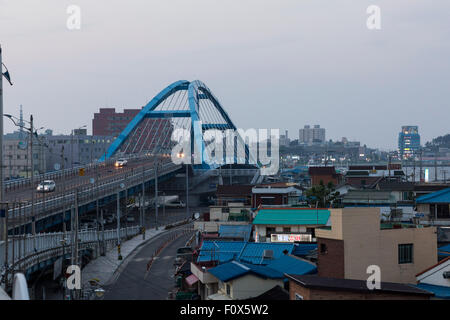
(135, 283)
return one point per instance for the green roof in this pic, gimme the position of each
(292, 216)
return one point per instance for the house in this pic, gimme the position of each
(231, 214)
(357, 240)
(276, 194)
(387, 201)
(435, 207)
(288, 224)
(235, 232)
(235, 193)
(324, 175)
(239, 280)
(436, 279)
(312, 287)
(213, 253)
(400, 190)
(367, 176)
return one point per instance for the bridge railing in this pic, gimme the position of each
(86, 194)
(20, 247)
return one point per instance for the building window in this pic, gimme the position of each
(287, 230)
(298, 297)
(323, 248)
(269, 231)
(405, 253)
(228, 289)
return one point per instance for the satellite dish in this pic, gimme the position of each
(196, 216)
(57, 166)
(92, 180)
(122, 185)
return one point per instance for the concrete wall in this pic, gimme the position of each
(366, 244)
(249, 286)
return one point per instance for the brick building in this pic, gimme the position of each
(149, 134)
(324, 174)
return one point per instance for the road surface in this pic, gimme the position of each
(135, 283)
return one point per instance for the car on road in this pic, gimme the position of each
(121, 163)
(46, 186)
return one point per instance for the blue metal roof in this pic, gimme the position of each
(444, 251)
(292, 265)
(232, 270)
(236, 231)
(439, 291)
(250, 252)
(303, 249)
(441, 196)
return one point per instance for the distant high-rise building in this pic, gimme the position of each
(308, 135)
(408, 142)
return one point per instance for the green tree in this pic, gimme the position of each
(322, 195)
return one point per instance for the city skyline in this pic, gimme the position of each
(258, 57)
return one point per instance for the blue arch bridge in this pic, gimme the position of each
(164, 145)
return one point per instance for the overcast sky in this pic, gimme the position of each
(273, 64)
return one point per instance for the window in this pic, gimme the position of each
(228, 289)
(323, 248)
(269, 231)
(298, 297)
(405, 253)
(287, 230)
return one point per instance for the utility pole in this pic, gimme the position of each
(118, 226)
(187, 192)
(1, 129)
(156, 194)
(142, 204)
(33, 216)
(435, 167)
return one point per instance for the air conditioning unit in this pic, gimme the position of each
(446, 275)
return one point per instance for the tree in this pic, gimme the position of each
(322, 195)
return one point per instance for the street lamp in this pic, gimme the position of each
(122, 186)
(181, 156)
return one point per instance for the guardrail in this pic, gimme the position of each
(22, 247)
(86, 194)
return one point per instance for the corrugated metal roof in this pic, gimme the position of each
(444, 251)
(251, 252)
(292, 265)
(232, 270)
(442, 196)
(439, 291)
(235, 231)
(292, 216)
(303, 249)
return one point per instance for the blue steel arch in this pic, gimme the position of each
(196, 90)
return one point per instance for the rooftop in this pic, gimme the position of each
(442, 196)
(292, 216)
(232, 270)
(316, 282)
(235, 231)
(251, 252)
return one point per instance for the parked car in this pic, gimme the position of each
(46, 186)
(121, 162)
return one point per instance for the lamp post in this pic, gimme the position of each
(119, 255)
(181, 156)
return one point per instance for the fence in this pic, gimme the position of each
(21, 247)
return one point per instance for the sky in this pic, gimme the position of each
(272, 64)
